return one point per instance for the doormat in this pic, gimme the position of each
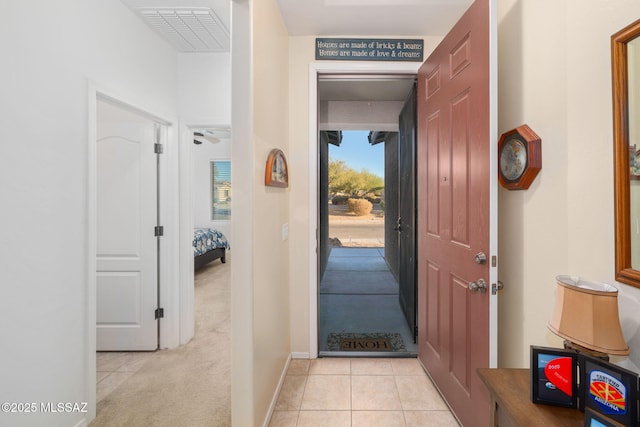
(365, 342)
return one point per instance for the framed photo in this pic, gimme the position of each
(276, 173)
(593, 419)
(609, 390)
(634, 163)
(554, 377)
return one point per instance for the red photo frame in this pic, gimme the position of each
(554, 377)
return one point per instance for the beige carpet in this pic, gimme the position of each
(189, 385)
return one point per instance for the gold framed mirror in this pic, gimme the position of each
(625, 60)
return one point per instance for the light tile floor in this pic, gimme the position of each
(114, 368)
(359, 392)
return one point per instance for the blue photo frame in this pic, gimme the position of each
(609, 390)
(594, 419)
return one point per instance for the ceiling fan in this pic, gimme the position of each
(210, 135)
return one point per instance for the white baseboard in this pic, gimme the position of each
(274, 399)
(296, 355)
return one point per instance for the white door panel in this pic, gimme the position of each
(119, 295)
(119, 212)
(127, 254)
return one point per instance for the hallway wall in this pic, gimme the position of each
(51, 52)
(558, 81)
(204, 95)
(271, 204)
(260, 268)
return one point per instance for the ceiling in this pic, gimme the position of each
(371, 17)
(188, 25)
(204, 26)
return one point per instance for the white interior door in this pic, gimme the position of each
(127, 213)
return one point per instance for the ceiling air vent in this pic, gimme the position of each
(189, 29)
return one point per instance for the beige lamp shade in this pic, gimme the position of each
(586, 313)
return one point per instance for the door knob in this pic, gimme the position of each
(480, 258)
(479, 286)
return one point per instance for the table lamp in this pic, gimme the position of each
(586, 316)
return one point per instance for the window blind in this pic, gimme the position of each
(221, 190)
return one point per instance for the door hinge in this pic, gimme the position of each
(495, 287)
(159, 230)
(157, 148)
(415, 334)
(159, 313)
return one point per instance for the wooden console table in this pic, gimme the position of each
(511, 403)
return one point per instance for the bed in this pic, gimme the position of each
(208, 245)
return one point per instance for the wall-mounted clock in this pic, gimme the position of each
(519, 158)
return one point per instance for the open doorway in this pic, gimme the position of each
(362, 308)
(212, 193)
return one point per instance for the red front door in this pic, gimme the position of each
(453, 214)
